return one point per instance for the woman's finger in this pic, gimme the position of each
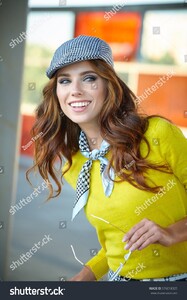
(131, 232)
(144, 241)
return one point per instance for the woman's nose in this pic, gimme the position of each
(76, 93)
(76, 89)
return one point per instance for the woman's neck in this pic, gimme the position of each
(94, 142)
(93, 136)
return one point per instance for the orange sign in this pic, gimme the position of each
(120, 29)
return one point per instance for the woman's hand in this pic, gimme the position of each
(146, 233)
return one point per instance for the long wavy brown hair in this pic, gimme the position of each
(120, 124)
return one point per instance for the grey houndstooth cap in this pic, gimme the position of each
(79, 49)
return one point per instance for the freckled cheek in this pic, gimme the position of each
(58, 93)
(61, 96)
(102, 96)
(102, 91)
(99, 91)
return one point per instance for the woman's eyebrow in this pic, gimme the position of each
(82, 73)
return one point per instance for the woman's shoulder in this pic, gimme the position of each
(72, 174)
(157, 122)
(165, 135)
(162, 127)
(77, 161)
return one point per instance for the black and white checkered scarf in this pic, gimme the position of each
(83, 182)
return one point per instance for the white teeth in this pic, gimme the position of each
(79, 104)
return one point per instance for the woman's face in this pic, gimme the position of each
(81, 93)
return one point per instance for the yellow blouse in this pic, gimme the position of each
(128, 205)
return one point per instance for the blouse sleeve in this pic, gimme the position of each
(98, 264)
(173, 147)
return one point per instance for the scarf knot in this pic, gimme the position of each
(83, 182)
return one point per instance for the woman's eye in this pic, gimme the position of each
(63, 81)
(90, 78)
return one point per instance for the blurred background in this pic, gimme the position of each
(149, 44)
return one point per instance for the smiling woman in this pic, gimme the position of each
(81, 93)
(116, 159)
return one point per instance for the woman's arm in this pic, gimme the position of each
(147, 232)
(173, 148)
(94, 269)
(84, 275)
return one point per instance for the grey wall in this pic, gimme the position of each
(13, 15)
